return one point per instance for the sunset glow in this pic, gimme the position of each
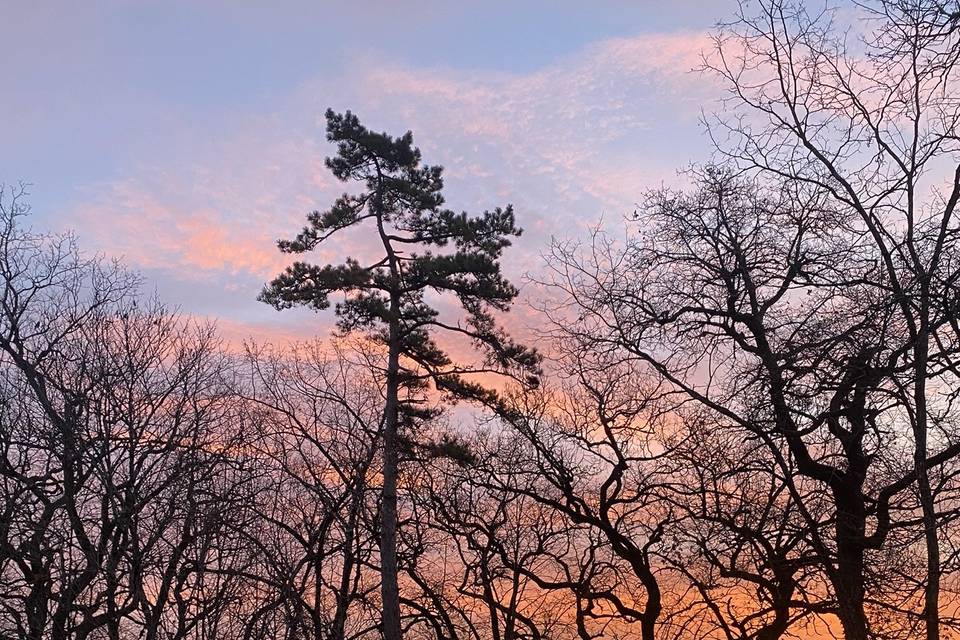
(431, 320)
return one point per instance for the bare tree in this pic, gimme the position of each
(501, 565)
(596, 455)
(319, 413)
(118, 473)
(739, 541)
(871, 122)
(762, 307)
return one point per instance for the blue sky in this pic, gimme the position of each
(187, 136)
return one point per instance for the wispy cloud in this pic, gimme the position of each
(566, 144)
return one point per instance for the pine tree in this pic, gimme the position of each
(425, 247)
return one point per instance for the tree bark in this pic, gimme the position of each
(931, 593)
(848, 581)
(389, 589)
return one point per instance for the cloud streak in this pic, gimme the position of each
(567, 144)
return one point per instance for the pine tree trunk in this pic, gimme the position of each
(389, 589)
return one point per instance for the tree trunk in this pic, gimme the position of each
(346, 573)
(389, 589)
(931, 594)
(848, 580)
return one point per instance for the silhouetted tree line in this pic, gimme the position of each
(742, 420)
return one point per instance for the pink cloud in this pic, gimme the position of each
(149, 233)
(567, 144)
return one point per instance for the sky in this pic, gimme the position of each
(186, 137)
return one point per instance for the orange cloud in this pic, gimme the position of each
(128, 221)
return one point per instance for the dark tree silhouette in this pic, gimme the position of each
(118, 491)
(756, 307)
(402, 203)
(872, 124)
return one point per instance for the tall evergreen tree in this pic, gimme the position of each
(425, 248)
